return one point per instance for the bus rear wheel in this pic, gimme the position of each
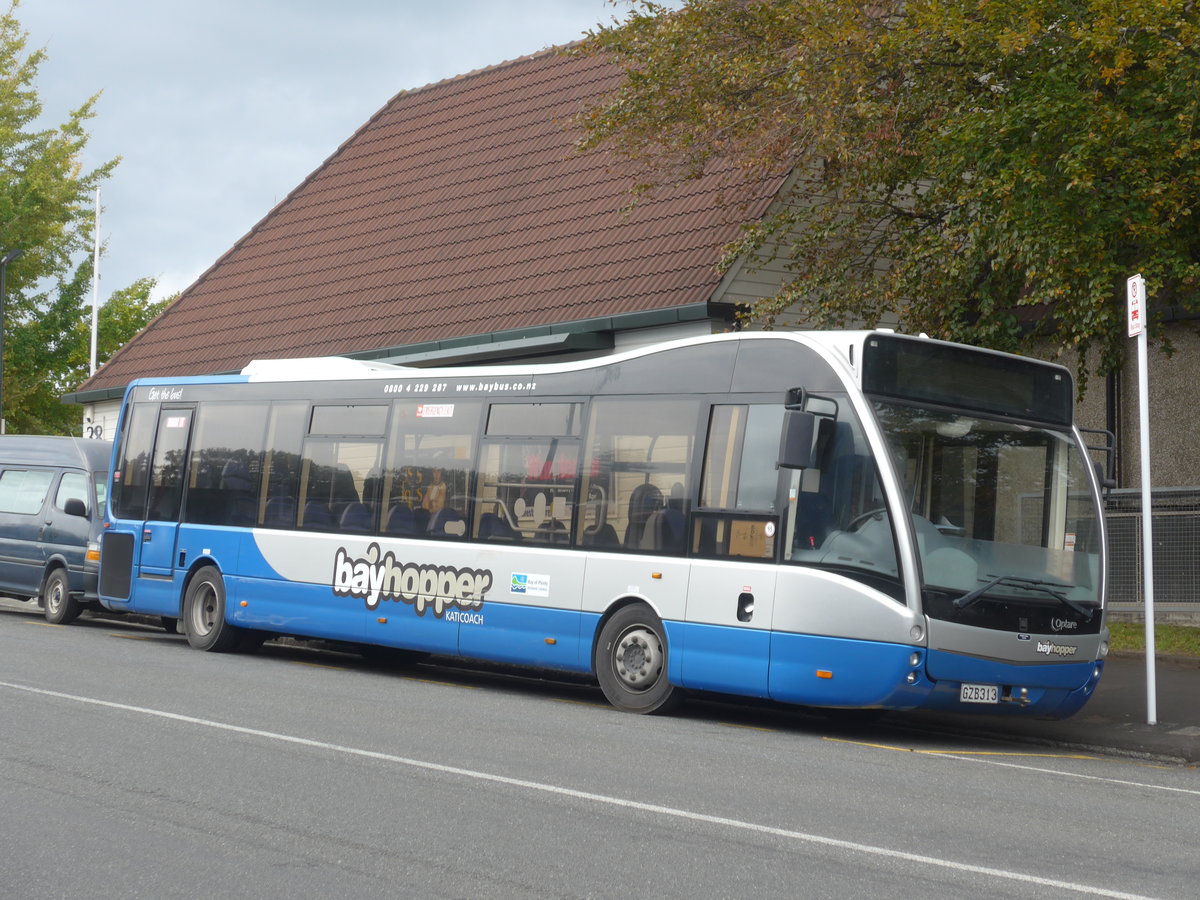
(204, 612)
(60, 607)
(631, 662)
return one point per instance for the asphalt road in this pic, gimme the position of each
(132, 766)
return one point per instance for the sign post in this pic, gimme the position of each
(1136, 293)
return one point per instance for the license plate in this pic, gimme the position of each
(979, 693)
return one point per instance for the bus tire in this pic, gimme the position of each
(631, 662)
(60, 608)
(204, 613)
(250, 640)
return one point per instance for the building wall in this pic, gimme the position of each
(100, 419)
(1174, 392)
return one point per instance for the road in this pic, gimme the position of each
(136, 767)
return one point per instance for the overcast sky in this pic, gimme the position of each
(219, 108)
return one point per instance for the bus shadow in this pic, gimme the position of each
(849, 725)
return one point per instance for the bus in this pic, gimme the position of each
(862, 520)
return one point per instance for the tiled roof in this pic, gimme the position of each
(458, 209)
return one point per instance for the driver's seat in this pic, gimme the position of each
(814, 520)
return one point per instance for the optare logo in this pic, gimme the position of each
(1063, 624)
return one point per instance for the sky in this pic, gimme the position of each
(219, 108)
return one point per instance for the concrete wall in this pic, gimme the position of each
(1174, 410)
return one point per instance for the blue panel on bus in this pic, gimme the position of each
(155, 596)
(815, 670)
(956, 667)
(526, 635)
(288, 607)
(1017, 697)
(724, 658)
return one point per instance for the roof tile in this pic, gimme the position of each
(459, 209)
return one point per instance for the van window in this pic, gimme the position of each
(74, 485)
(24, 491)
(100, 482)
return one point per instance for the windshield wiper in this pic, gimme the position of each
(1054, 589)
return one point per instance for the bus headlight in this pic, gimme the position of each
(916, 633)
(1103, 649)
(915, 659)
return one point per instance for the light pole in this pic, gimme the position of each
(4, 261)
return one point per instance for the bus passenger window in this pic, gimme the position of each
(424, 481)
(339, 469)
(286, 426)
(526, 491)
(225, 472)
(636, 471)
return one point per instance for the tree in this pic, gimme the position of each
(980, 170)
(46, 197)
(49, 345)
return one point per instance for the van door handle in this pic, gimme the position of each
(147, 534)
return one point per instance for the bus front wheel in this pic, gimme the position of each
(204, 612)
(631, 662)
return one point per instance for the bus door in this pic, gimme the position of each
(159, 533)
(731, 594)
(730, 604)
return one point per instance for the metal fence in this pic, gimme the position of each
(1175, 524)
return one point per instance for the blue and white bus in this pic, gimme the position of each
(841, 519)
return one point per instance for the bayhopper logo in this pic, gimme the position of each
(1052, 649)
(376, 577)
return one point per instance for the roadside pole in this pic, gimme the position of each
(1136, 294)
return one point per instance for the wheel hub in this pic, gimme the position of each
(203, 611)
(638, 658)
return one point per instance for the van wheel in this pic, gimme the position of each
(631, 662)
(60, 608)
(204, 613)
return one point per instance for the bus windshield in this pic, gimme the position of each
(1003, 512)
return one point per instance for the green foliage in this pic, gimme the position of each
(979, 170)
(48, 348)
(46, 197)
(46, 211)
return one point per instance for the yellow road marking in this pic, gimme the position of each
(747, 727)
(590, 703)
(1025, 755)
(313, 665)
(469, 687)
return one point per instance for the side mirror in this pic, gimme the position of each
(796, 442)
(75, 507)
